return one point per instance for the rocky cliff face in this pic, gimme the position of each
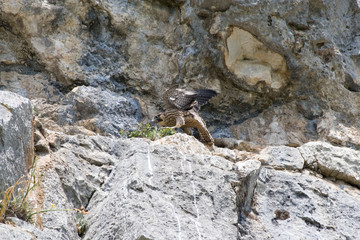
(286, 117)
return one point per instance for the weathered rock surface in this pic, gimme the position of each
(90, 110)
(16, 138)
(329, 129)
(135, 188)
(287, 74)
(248, 172)
(155, 192)
(301, 206)
(9, 232)
(73, 171)
(338, 162)
(276, 126)
(294, 58)
(252, 61)
(283, 157)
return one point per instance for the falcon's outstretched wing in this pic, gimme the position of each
(177, 98)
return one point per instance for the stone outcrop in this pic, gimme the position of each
(284, 126)
(301, 206)
(16, 138)
(285, 121)
(156, 192)
(136, 188)
(337, 162)
(89, 110)
(255, 61)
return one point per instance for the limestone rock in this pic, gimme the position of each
(276, 126)
(248, 172)
(16, 138)
(144, 47)
(91, 109)
(184, 143)
(253, 62)
(71, 172)
(283, 157)
(20, 229)
(342, 134)
(338, 162)
(9, 232)
(157, 192)
(32, 86)
(287, 73)
(301, 206)
(180, 193)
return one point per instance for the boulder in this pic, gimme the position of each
(89, 110)
(282, 157)
(340, 163)
(157, 192)
(301, 206)
(16, 138)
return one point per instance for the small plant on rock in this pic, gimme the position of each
(14, 202)
(147, 131)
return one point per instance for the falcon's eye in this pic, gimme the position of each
(158, 118)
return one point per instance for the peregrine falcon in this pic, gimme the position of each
(181, 111)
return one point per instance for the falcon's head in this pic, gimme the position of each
(158, 119)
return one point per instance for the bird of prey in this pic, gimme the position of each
(181, 111)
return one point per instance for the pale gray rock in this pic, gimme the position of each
(10, 232)
(26, 228)
(301, 206)
(136, 188)
(184, 144)
(90, 159)
(283, 157)
(56, 224)
(303, 53)
(107, 112)
(95, 110)
(16, 139)
(156, 192)
(330, 130)
(32, 86)
(71, 172)
(331, 161)
(300, 84)
(248, 172)
(276, 126)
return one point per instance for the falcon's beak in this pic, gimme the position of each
(155, 120)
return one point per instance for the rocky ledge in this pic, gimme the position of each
(75, 74)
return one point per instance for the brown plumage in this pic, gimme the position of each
(185, 120)
(181, 111)
(177, 98)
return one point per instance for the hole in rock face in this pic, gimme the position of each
(320, 44)
(281, 214)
